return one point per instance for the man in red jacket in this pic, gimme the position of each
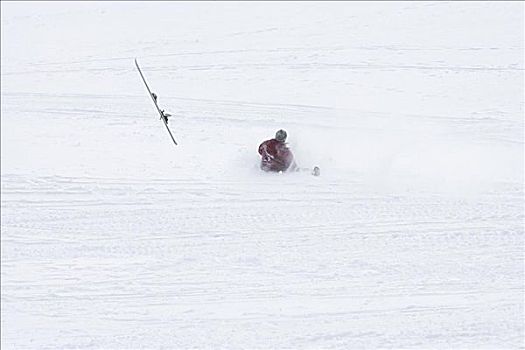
(276, 156)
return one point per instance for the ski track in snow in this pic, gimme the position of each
(126, 254)
(412, 237)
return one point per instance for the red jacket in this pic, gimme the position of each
(276, 156)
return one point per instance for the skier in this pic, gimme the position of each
(276, 156)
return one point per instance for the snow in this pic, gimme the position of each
(412, 237)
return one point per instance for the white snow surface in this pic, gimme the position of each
(114, 238)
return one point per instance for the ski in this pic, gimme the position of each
(315, 171)
(164, 116)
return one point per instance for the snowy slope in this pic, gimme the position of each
(112, 237)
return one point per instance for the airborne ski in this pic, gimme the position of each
(164, 116)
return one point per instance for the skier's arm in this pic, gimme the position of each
(288, 159)
(262, 148)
